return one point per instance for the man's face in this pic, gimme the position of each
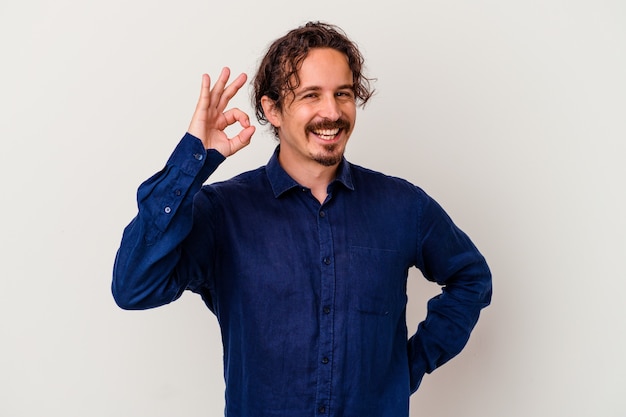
(316, 122)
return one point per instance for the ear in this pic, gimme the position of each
(272, 114)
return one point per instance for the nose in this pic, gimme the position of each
(330, 108)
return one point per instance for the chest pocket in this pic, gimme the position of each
(379, 280)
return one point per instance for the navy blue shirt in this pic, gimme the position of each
(310, 298)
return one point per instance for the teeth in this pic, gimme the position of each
(327, 133)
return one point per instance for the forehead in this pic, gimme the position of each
(324, 67)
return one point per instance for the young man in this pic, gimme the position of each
(304, 261)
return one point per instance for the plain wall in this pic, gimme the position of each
(512, 114)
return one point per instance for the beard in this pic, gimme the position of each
(333, 153)
(329, 157)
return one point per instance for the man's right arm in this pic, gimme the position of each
(148, 271)
(145, 273)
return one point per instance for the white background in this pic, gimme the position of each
(512, 114)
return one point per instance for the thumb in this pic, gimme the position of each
(242, 139)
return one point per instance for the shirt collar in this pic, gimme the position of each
(281, 182)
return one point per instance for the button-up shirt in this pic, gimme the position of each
(310, 298)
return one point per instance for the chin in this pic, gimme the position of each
(329, 157)
(328, 161)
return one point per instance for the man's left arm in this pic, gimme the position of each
(447, 256)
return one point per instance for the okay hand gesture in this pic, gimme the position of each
(210, 118)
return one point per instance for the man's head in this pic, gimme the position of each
(308, 86)
(278, 74)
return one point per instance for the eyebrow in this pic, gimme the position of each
(317, 88)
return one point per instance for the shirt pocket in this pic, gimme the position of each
(378, 281)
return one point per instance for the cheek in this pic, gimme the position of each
(299, 118)
(349, 111)
(352, 118)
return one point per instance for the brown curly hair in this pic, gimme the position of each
(277, 75)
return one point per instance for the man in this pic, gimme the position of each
(304, 261)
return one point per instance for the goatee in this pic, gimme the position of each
(329, 158)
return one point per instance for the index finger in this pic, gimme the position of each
(205, 94)
(229, 92)
(219, 87)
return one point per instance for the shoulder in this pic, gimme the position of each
(369, 180)
(245, 179)
(247, 185)
(396, 197)
(244, 182)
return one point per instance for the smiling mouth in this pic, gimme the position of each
(326, 134)
(329, 130)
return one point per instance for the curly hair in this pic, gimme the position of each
(277, 75)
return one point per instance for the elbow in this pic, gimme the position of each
(487, 285)
(472, 284)
(125, 286)
(481, 286)
(142, 287)
(121, 291)
(123, 298)
(140, 294)
(126, 291)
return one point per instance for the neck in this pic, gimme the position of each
(312, 175)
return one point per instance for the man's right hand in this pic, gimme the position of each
(210, 118)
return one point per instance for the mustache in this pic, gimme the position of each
(329, 124)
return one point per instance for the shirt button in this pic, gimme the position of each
(326, 310)
(177, 192)
(321, 409)
(167, 210)
(322, 214)
(325, 361)
(327, 261)
(198, 156)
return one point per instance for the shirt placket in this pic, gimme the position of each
(326, 308)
